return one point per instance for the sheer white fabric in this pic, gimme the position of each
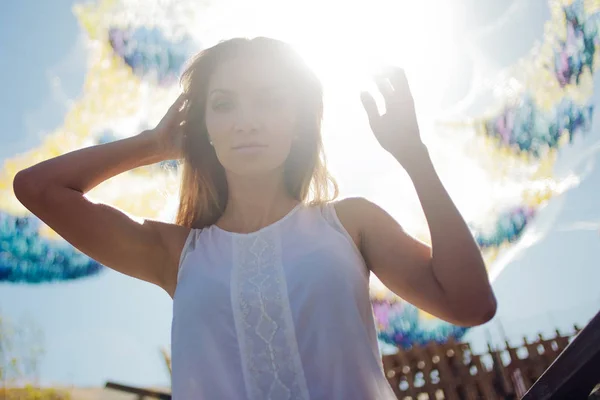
(282, 313)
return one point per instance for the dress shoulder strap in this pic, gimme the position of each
(330, 215)
(188, 247)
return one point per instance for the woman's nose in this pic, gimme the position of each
(246, 121)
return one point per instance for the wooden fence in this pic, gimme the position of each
(451, 370)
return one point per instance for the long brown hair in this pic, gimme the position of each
(204, 192)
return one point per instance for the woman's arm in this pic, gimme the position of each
(54, 190)
(449, 279)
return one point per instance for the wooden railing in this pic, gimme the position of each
(451, 370)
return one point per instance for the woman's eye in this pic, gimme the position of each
(223, 105)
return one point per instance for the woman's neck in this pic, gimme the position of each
(255, 202)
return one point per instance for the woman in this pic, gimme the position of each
(268, 275)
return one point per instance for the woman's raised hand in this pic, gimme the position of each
(169, 133)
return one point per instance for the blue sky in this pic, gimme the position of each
(112, 327)
(35, 40)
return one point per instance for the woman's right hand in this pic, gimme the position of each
(168, 135)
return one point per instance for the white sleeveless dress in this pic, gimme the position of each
(281, 313)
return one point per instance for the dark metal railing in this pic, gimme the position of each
(575, 372)
(142, 393)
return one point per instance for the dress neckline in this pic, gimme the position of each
(263, 229)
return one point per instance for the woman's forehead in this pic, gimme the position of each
(243, 74)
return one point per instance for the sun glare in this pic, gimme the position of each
(346, 43)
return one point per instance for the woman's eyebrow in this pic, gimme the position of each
(218, 90)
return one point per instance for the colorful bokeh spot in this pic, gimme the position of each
(402, 324)
(28, 257)
(577, 51)
(149, 54)
(508, 227)
(526, 128)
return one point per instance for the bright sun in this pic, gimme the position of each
(346, 41)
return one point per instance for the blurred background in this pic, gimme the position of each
(505, 95)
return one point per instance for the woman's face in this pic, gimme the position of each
(251, 115)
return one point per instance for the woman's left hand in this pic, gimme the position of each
(397, 130)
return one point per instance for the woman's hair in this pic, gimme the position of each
(203, 193)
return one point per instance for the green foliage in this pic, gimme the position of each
(32, 393)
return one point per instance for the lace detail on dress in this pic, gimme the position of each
(263, 320)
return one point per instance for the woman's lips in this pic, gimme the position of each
(249, 148)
